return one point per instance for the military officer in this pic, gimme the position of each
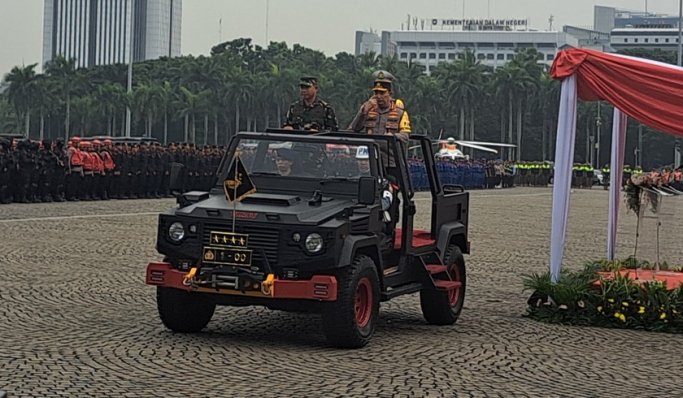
(310, 113)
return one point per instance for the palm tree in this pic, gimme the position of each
(64, 71)
(193, 105)
(23, 90)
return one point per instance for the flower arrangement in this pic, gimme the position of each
(620, 302)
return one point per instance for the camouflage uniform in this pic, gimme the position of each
(319, 115)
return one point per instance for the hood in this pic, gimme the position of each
(269, 208)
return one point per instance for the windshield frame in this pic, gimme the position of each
(264, 139)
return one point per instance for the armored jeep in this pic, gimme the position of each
(321, 230)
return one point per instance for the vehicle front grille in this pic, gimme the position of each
(260, 237)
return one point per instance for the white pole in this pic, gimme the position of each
(677, 154)
(130, 63)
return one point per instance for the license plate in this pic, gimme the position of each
(226, 256)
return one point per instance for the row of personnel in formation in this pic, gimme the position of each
(55, 171)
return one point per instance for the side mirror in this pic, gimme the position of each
(177, 178)
(367, 190)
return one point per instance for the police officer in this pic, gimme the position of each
(310, 113)
(380, 115)
(382, 74)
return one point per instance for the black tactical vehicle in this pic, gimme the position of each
(315, 234)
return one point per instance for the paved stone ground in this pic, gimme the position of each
(78, 321)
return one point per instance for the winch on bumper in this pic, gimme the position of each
(319, 287)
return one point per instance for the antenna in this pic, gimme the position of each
(220, 29)
(550, 20)
(408, 21)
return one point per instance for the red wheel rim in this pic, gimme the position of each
(363, 302)
(454, 294)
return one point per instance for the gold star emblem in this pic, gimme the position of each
(215, 238)
(381, 75)
(233, 240)
(225, 239)
(242, 241)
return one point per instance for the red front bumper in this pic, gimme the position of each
(320, 287)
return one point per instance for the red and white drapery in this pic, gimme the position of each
(647, 91)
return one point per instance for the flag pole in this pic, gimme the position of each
(234, 202)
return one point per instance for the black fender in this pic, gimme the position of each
(452, 232)
(365, 244)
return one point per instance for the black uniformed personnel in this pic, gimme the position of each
(310, 113)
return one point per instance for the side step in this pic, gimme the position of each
(401, 290)
(447, 285)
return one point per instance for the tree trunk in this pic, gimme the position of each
(113, 122)
(68, 114)
(187, 138)
(28, 122)
(502, 126)
(165, 128)
(543, 139)
(462, 123)
(510, 128)
(123, 125)
(193, 130)
(472, 131)
(519, 131)
(215, 130)
(206, 130)
(237, 117)
(279, 116)
(149, 125)
(42, 124)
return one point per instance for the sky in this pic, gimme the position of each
(326, 25)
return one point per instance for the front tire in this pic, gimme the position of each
(441, 307)
(182, 311)
(350, 321)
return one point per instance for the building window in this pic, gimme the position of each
(540, 57)
(666, 40)
(550, 57)
(404, 55)
(511, 57)
(656, 40)
(413, 55)
(636, 40)
(423, 55)
(432, 56)
(501, 56)
(489, 56)
(442, 56)
(625, 40)
(647, 40)
(451, 56)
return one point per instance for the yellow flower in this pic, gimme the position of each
(617, 315)
(624, 303)
(641, 310)
(611, 300)
(663, 315)
(622, 317)
(674, 311)
(638, 302)
(599, 309)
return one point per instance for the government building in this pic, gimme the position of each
(98, 32)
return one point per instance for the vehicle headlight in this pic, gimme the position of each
(176, 231)
(314, 243)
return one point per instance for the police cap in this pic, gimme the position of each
(383, 75)
(381, 85)
(308, 81)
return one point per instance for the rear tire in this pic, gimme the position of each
(350, 321)
(182, 311)
(441, 307)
